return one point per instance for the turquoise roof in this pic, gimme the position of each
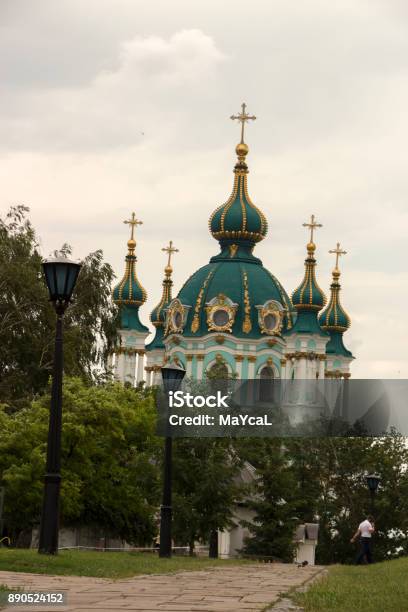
(305, 322)
(335, 320)
(308, 298)
(244, 281)
(129, 290)
(239, 219)
(129, 294)
(334, 317)
(235, 274)
(335, 346)
(158, 314)
(129, 317)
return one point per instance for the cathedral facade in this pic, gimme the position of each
(232, 313)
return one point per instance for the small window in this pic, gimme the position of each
(220, 317)
(178, 319)
(218, 377)
(266, 384)
(270, 321)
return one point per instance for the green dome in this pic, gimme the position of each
(309, 296)
(129, 291)
(129, 294)
(158, 314)
(239, 286)
(334, 317)
(239, 219)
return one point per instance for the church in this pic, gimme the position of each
(233, 313)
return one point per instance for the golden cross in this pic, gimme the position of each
(243, 117)
(312, 226)
(133, 222)
(338, 251)
(170, 250)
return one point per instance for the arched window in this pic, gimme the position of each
(218, 370)
(218, 377)
(266, 384)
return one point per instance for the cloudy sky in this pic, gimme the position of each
(110, 106)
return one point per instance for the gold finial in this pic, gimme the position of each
(312, 225)
(338, 252)
(169, 250)
(243, 117)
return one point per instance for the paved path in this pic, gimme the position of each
(235, 588)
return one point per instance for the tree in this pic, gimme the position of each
(27, 319)
(274, 500)
(204, 488)
(110, 458)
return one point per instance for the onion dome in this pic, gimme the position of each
(239, 220)
(233, 294)
(158, 314)
(309, 298)
(129, 294)
(334, 319)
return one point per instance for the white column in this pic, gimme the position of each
(284, 367)
(238, 365)
(200, 366)
(302, 368)
(322, 362)
(140, 366)
(189, 367)
(120, 367)
(252, 388)
(130, 366)
(157, 379)
(251, 367)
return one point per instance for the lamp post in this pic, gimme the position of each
(172, 378)
(372, 481)
(60, 275)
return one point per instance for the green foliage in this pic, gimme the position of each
(205, 487)
(323, 480)
(109, 460)
(273, 501)
(27, 319)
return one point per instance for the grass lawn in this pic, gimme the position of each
(102, 564)
(380, 587)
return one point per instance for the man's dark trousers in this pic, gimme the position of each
(365, 551)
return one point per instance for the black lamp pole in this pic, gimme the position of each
(373, 480)
(61, 275)
(172, 378)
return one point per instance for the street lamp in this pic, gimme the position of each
(172, 376)
(60, 275)
(372, 481)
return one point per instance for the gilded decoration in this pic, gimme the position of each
(270, 318)
(175, 317)
(233, 248)
(195, 324)
(247, 325)
(221, 314)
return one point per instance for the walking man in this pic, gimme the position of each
(364, 532)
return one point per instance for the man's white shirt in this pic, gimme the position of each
(365, 528)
